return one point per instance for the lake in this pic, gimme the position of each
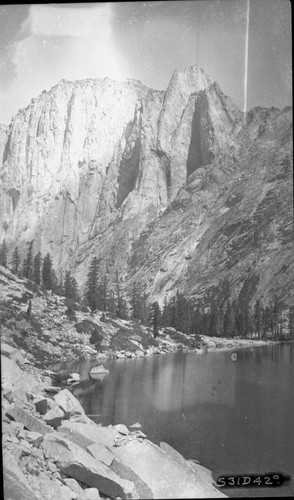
(231, 410)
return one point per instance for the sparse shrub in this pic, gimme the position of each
(23, 299)
(84, 308)
(87, 326)
(96, 339)
(35, 324)
(70, 312)
(29, 310)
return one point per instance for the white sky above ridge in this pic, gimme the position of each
(42, 44)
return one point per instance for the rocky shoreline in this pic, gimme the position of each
(51, 449)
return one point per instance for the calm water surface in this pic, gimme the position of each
(235, 414)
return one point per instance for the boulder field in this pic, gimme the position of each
(52, 450)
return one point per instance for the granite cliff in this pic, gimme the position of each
(176, 189)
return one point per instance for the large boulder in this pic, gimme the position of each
(10, 371)
(41, 404)
(27, 419)
(175, 454)
(122, 429)
(82, 418)
(74, 486)
(54, 417)
(73, 378)
(163, 474)
(91, 494)
(76, 437)
(135, 426)
(15, 354)
(34, 438)
(26, 385)
(7, 350)
(96, 433)
(80, 465)
(125, 472)
(16, 486)
(68, 403)
(98, 369)
(101, 453)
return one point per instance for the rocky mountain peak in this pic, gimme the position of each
(192, 77)
(91, 167)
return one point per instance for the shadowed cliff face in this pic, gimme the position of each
(232, 220)
(174, 188)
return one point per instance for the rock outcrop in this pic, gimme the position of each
(177, 185)
(231, 222)
(80, 461)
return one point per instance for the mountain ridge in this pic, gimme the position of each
(88, 168)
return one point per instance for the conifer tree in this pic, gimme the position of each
(271, 320)
(291, 321)
(55, 285)
(229, 321)
(198, 318)
(173, 312)
(27, 268)
(104, 293)
(61, 286)
(47, 272)
(155, 318)
(120, 307)
(144, 311)
(92, 285)
(138, 303)
(215, 320)
(37, 267)
(165, 317)
(135, 303)
(111, 303)
(3, 254)
(257, 317)
(15, 263)
(275, 315)
(29, 309)
(71, 287)
(182, 314)
(195, 324)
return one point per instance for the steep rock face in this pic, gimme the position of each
(57, 158)
(231, 221)
(3, 138)
(85, 153)
(171, 188)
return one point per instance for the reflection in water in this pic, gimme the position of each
(232, 413)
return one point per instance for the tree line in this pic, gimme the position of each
(39, 270)
(216, 314)
(235, 318)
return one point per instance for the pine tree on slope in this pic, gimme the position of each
(92, 285)
(15, 263)
(47, 272)
(37, 266)
(27, 268)
(155, 318)
(3, 254)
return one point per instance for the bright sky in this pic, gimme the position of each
(42, 44)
